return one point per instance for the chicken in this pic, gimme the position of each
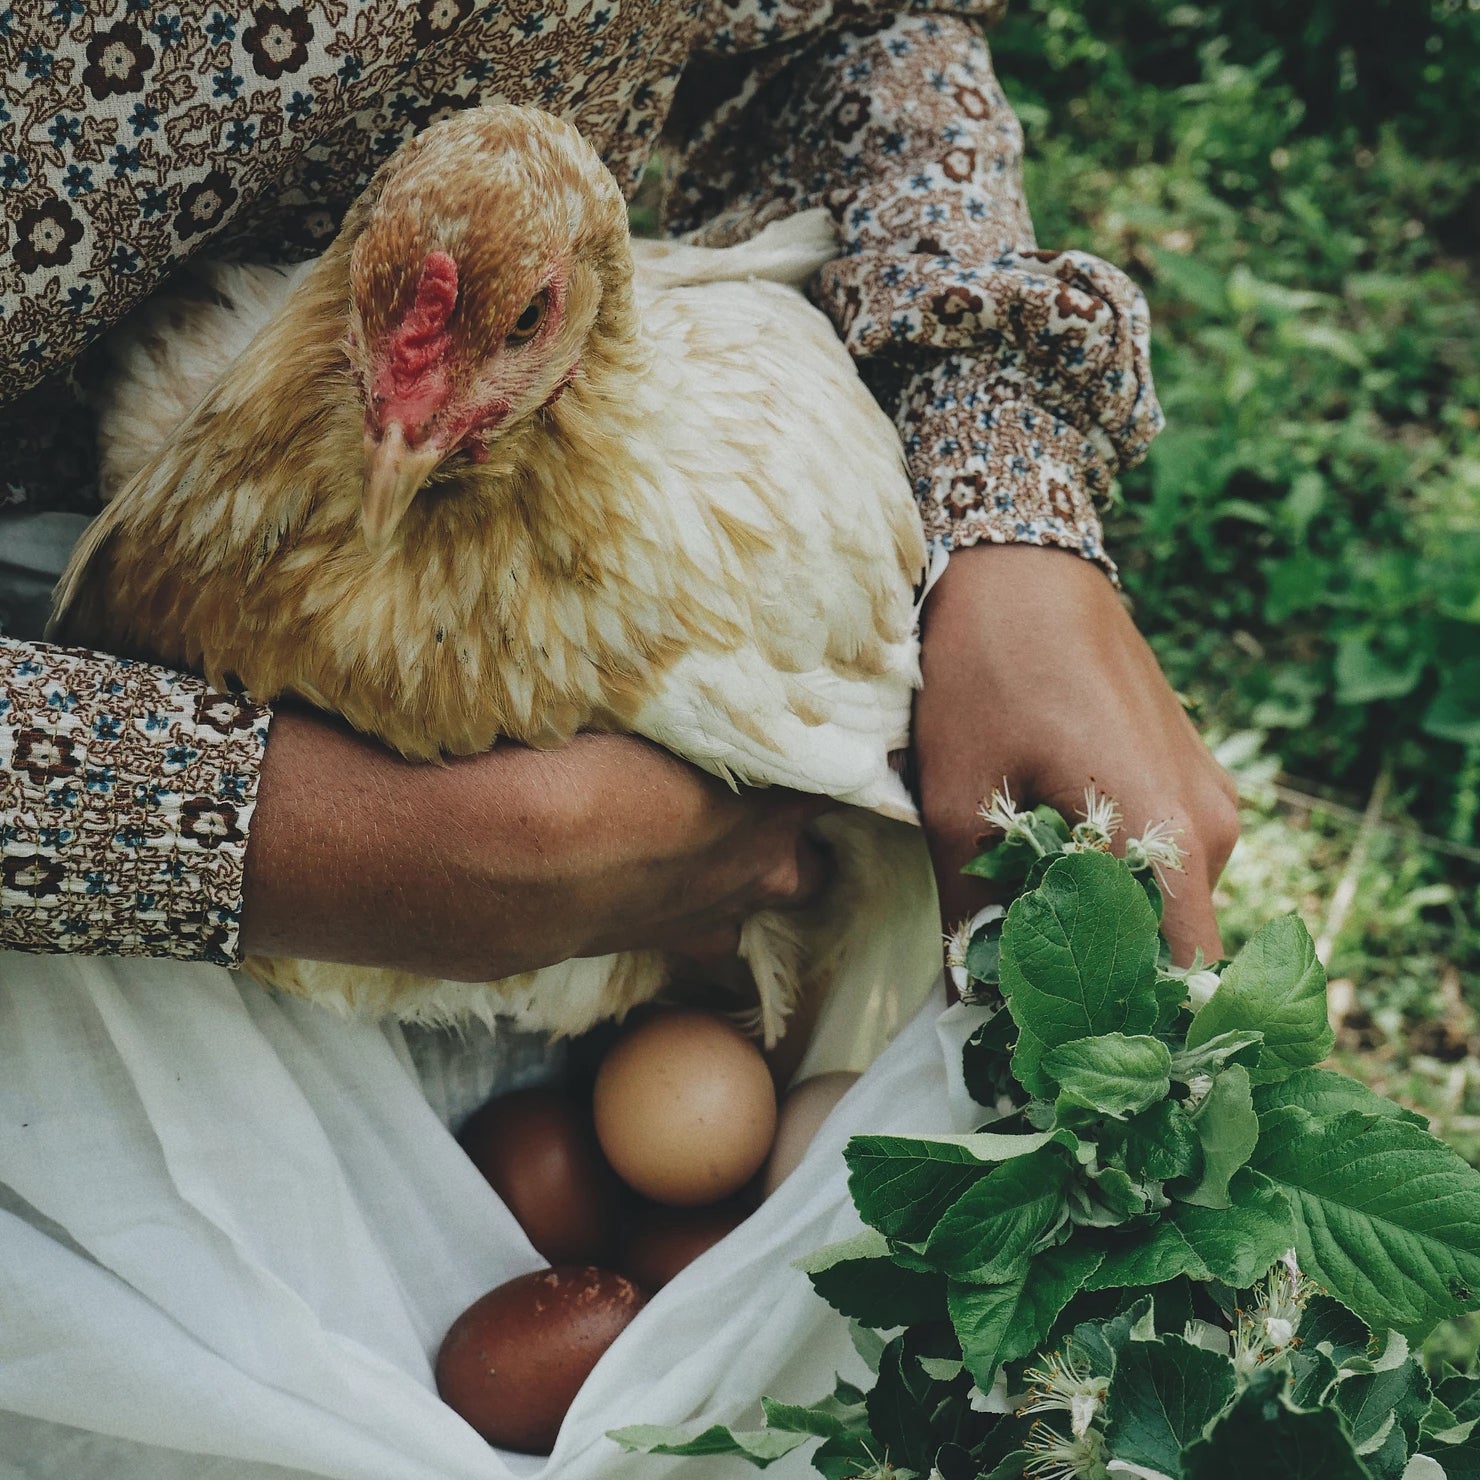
(480, 477)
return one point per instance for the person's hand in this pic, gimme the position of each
(1034, 673)
(505, 862)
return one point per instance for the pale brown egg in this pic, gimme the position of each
(661, 1241)
(684, 1108)
(513, 1361)
(806, 1106)
(538, 1151)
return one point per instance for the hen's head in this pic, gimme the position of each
(493, 247)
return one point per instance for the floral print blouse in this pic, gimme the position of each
(135, 134)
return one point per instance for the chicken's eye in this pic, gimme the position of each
(528, 323)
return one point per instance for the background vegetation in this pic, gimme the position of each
(1297, 188)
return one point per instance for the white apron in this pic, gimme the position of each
(234, 1229)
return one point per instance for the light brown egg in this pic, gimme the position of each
(513, 1361)
(684, 1108)
(538, 1151)
(806, 1106)
(661, 1241)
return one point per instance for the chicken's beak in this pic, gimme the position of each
(393, 473)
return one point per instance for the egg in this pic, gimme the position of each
(684, 1108)
(662, 1241)
(806, 1106)
(537, 1149)
(513, 1361)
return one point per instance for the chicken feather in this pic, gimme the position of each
(703, 535)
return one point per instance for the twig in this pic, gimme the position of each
(1346, 888)
(1292, 797)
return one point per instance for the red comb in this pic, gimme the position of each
(420, 339)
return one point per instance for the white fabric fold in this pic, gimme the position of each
(233, 1232)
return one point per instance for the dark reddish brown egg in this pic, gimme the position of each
(538, 1151)
(514, 1360)
(661, 1241)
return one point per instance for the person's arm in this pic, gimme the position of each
(125, 795)
(500, 863)
(1020, 381)
(143, 814)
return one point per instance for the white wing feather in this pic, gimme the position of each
(820, 693)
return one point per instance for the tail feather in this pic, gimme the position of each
(869, 949)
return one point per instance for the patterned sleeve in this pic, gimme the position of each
(125, 794)
(1019, 378)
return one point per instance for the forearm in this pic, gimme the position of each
(359, 856)
(508, 861)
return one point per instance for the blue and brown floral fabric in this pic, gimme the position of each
(134, 135)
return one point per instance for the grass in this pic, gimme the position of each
(1293, 189)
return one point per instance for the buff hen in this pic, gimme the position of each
(485, 472)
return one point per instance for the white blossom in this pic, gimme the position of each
(995, 1401)
(1198, 980)
(1058, 1458)
(1000, 811)
(1063, 1384)
(960, 938)
(1156, 848)
(1101, 820)
(1271, 1326)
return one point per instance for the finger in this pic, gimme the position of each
(1189, 923)
(799, 878)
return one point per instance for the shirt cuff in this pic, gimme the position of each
(126, 793)
(989, 464)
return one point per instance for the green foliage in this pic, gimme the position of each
(1127, 1267)
(1297, 190)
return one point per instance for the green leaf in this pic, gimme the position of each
(1261, 1435)
(1329, 1326)
(1000, 1323)
(1375, 1403)
(906, 1404)
(761, 1447)
(985, 1057)
(1386, 1217)
(1311, 1373)
(1235, 1245)
(1107, 1198)
(983, 955)
(880, 1293)
(1364, 674)
(1275, 986)
(1229, 1130)
(1160, 1143)
(1007, 860)
(1079, 958)
(988, 1233)
(901, 1185)
(826, 1419)
(1455, 713)
(846, 1457)
(1164, 1395)
(1326, 1094)
(1113, 1074)
(1239, 1047)
(1457, 1462)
